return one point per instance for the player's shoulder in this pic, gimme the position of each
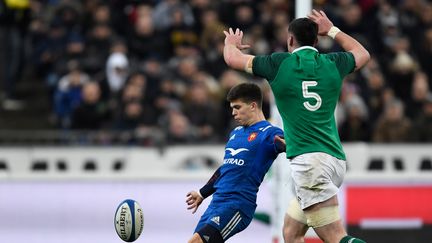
(334, 56)
(269, 128)
(237, 128)
(280, 54)
(275, 57)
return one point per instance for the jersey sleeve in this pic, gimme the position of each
(276, 147)
(267, 66)
(345, 62)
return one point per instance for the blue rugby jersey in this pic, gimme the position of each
(249, 153)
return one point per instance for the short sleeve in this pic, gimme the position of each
(345, 62)
(267, 66)
(271, 138)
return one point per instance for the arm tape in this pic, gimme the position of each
(248, 66)
(208, 188)
(333, 32)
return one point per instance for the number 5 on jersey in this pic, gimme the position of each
(309, 94)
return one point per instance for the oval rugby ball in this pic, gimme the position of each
(129, 220)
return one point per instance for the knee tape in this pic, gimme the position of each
(323, 216)
(295, 212)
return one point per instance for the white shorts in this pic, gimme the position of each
(316, 177)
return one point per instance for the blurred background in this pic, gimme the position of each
(102, 100)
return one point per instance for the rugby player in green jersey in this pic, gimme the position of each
(306, 85)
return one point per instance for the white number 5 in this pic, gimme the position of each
(308, 94)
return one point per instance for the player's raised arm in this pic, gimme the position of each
(233, 55)
(326, 27)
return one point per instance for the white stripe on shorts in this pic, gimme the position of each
(232, 219)
(231, 225)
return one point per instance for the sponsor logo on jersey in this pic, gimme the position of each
(234, 152)
(216, 219)
(252, 136)
(239, 162)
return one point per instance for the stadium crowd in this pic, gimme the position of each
(157, 64)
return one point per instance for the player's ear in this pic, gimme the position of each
(291, 40)
(254, 105)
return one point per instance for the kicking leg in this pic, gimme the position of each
(196, 238)
(207, 234)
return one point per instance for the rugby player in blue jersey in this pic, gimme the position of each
(249, 153)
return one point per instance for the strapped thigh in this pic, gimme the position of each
(294, 211)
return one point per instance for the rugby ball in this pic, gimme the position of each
(129, 220)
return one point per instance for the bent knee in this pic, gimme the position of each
(293, 231)
(291, 237)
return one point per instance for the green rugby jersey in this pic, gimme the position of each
(306, 86)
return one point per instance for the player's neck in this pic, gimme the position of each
(258, 118)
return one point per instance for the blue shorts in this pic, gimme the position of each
(228, 220)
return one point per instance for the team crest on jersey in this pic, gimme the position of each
(252, 136)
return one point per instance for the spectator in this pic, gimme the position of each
(356, 127)
(168, 97)
(144, 40)
(423, 123)
(139, 81)
(245, 17)
(92, 112)
(373, 95)
(402, 67)
(211, 42)
(420, 94)
(425, 53)
(202, 113)
(134, 115)
(117, 71)
(178, 128)
(352, 21)
(164, 14)
(98, 38)
(179, 33)
(393, 126)
(13, 31)
(67, 95)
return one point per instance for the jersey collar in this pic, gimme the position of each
(256, 124)
(305, 47)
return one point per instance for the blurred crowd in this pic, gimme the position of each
(146, 65)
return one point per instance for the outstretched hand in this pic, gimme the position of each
(235, 38)
(321, 19)
(193, 200)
